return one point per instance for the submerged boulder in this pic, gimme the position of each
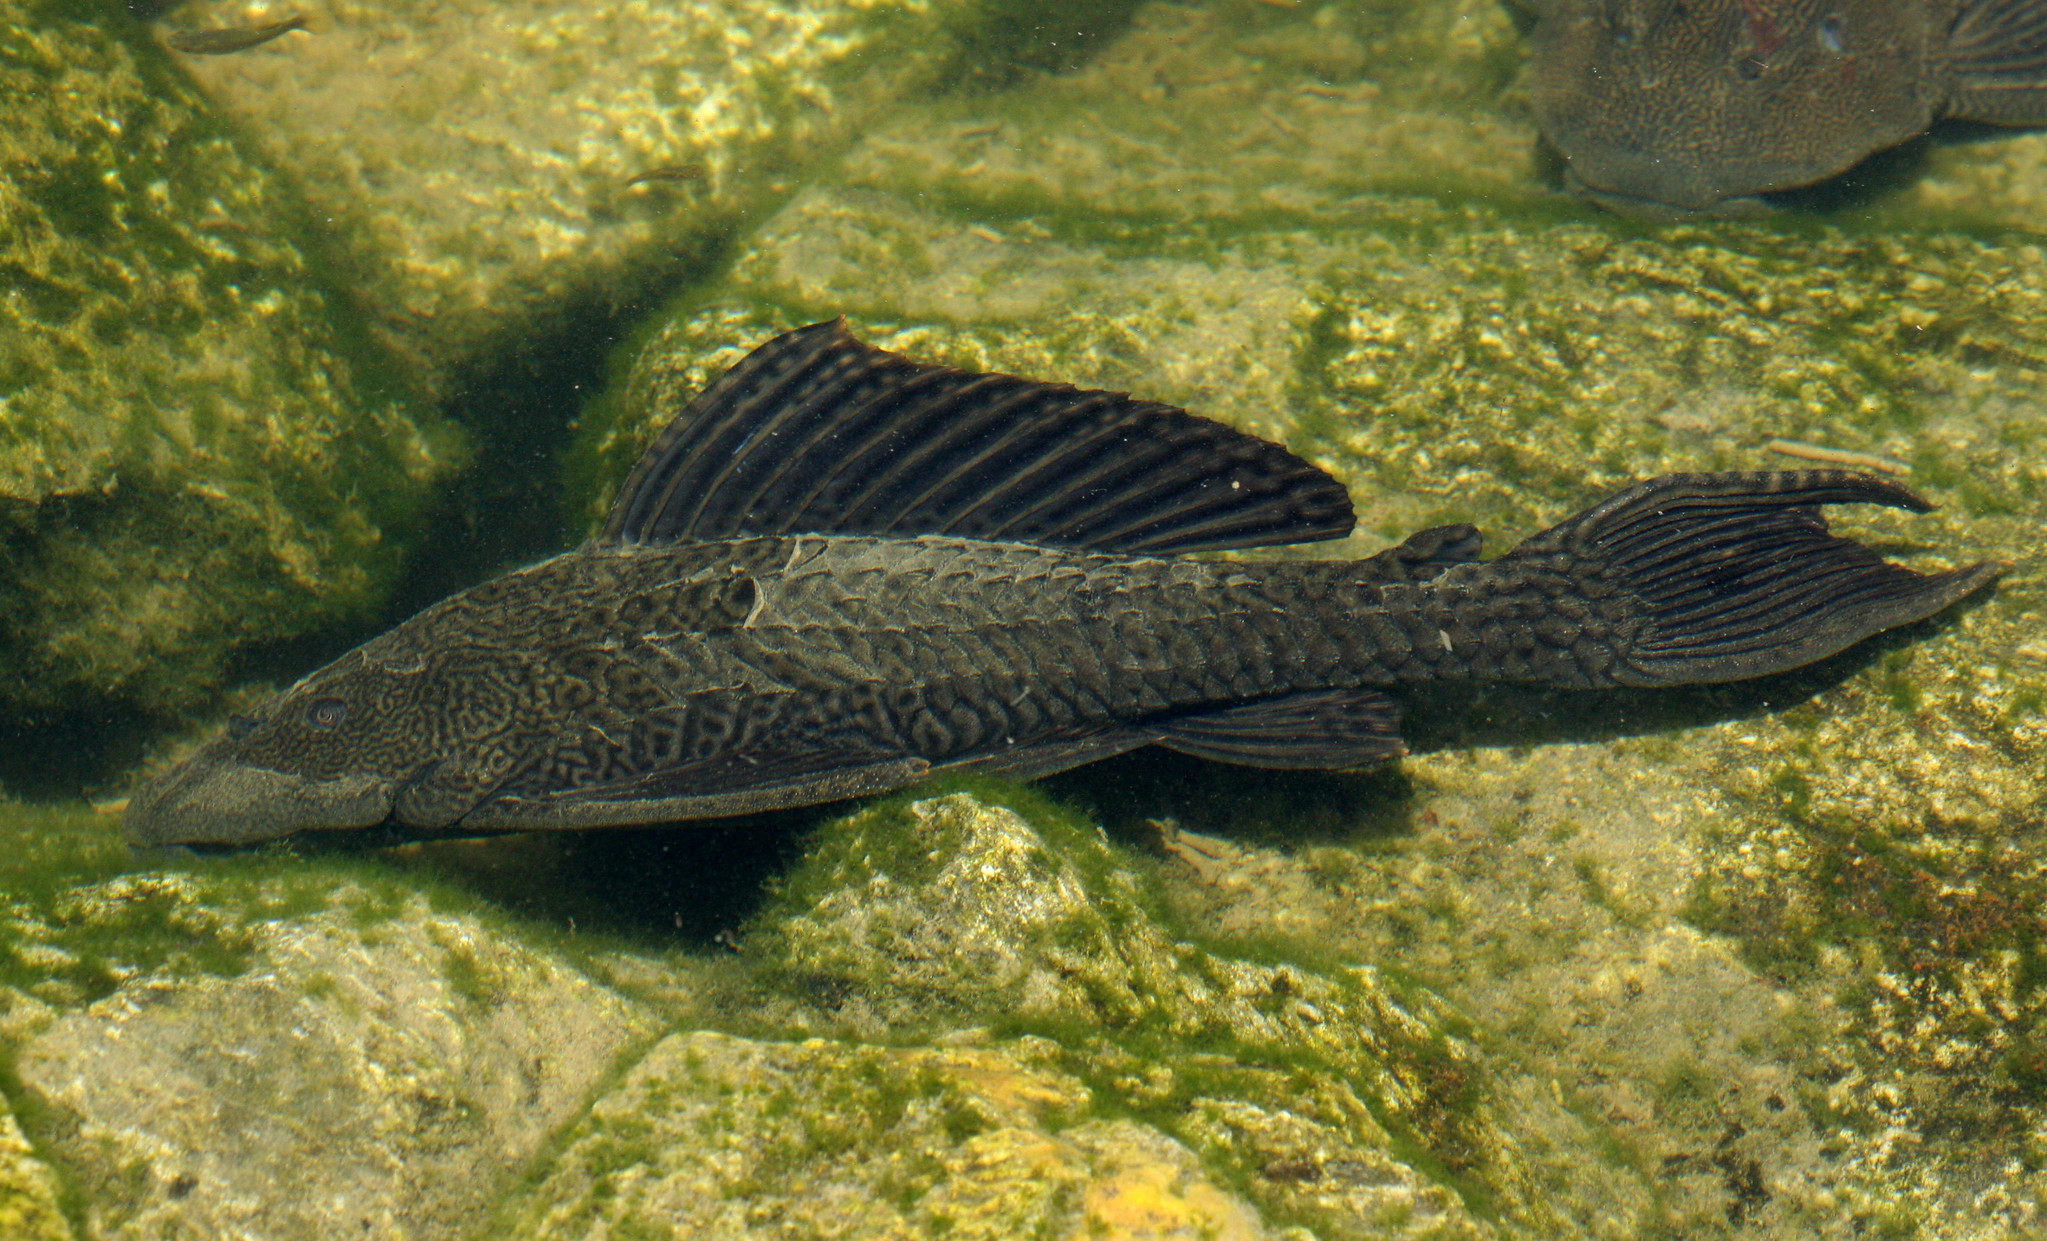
(306, 1056)
(715, 1135)
(503, 170)
(198, 451)
(1331, 1094)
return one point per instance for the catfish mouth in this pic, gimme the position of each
(1662, 210)
(212, 801)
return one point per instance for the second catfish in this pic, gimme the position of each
(1665, 107)
(839, 571)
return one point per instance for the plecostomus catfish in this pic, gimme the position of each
(839, 571)
(1671, 106)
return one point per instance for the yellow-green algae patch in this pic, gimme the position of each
(710, 1133)
(79, 918)
(28, 1190)
(961, 1018)
(284, 1030)
(496, 165)
(197, 452)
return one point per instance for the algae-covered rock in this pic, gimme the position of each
(953, 909)
(495, 167)
(1335, 1097)
(312, 1059)
(197, 452)
(28, 1190)
(716, 1136)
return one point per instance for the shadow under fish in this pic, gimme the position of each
(838, 572)
(1670, 107)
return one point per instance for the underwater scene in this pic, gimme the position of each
(1149, 619)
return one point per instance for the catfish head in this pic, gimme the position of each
(400, 731)
(1670, 106)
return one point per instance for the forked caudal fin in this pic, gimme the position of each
(1735, 575)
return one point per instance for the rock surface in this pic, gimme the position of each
(197, 452)
(479, 157)
(706, 1134)
(1086, 1074)
(371, 1070)
(28, 1190)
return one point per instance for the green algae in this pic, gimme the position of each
(77, 922)
(80, 915)
(199, 452)
(867, 923)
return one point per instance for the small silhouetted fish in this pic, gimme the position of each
(1672, 106)
(220, 41)
(838, 571)
(673, 172)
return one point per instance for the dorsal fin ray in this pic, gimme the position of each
(817, 433)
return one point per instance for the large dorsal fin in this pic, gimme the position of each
(817, 433)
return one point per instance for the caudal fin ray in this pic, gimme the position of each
(1736, 575)
(1801, 571)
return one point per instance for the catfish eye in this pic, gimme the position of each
(326, 712)
(240, 726)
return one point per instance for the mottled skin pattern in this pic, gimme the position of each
(638, 684)
(838, 571)
(1689, 105)
(607, 665)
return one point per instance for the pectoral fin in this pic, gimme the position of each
(1997, 57)
(726, 786)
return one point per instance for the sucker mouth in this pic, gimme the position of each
(209, 802)
(1657, 209)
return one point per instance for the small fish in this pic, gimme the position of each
(672, 172)
(220, 41)
(838, 572)
(1666, 107)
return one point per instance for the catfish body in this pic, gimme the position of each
(838, 572)
(1673, 106)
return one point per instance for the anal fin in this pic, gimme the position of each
(1049, 757)
(1327, 730)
